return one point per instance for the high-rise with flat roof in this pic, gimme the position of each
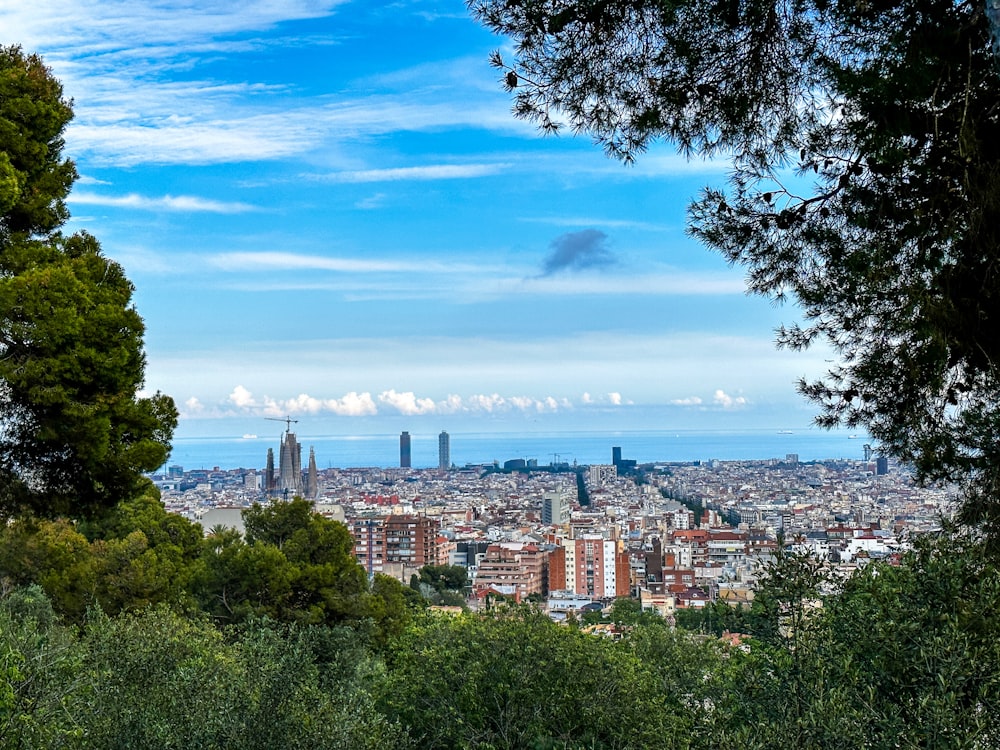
(444, 450)
(404, 450)
(555, 508)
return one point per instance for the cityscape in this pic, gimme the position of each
(636, 367)
(670, 535)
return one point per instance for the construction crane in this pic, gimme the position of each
(287, 420)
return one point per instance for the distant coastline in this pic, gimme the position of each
(645, 446)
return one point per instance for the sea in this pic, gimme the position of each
(650, 446)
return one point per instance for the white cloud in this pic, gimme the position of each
(193, 406)
(594, 221)
(452, 404)
(428, 172)
(353, 405)
(615, 398)
(435, 279)
(689, 401)
(115, 25)
(371, 202)
(441, 368)
(679, 283)
(723, 399)
(407, 403)
(275, 261)
(242, 398)
(156, 140)
(88, 180)
(490, 403)
(185, 203)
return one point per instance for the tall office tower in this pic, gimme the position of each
(290, 466)
(444, 450)
(616, 456)
(404, 450)
(881, 466)
(269, 472)
(312, 478)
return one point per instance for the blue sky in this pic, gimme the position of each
(329, 212)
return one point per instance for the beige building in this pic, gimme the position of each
(513, 568)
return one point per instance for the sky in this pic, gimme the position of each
(329, 213)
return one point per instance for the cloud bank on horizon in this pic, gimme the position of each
(243, 402)
(330, 203)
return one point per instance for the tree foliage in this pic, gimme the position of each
(896, 656)
(514, 679)
(156, 679)
(295, 566)
(137, 556)
(864, 140)
(75, 437)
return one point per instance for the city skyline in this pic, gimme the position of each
(329, 213)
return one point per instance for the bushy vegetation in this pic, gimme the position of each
(895, 656)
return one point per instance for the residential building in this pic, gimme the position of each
(514, 567)
(398, 538)
(590, 565)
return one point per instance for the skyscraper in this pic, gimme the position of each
(404, 450)
(444, 450)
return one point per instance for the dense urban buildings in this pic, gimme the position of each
(671, 535)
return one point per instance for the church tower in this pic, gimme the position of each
(312, 478)
(290, 467)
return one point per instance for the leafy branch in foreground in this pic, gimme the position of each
(864, 140)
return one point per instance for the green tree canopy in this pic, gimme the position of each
(75, 437)
(515, 679)
(295, 566)
(864, 139)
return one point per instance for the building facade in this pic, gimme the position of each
(444, 450)
(290, 465)
(512, 568)
(398, 539)
(555, 508)
(592, 566)
(404, 450)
